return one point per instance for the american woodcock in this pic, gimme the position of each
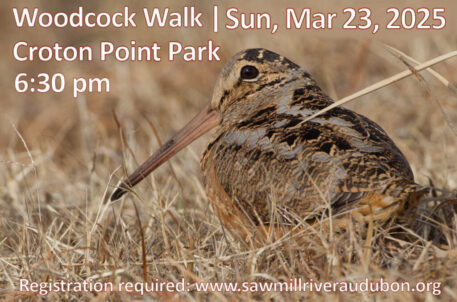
(264, 161)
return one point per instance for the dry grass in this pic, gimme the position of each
(61, 157)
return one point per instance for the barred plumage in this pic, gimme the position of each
(264, 155)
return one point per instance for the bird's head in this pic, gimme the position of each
(251, 79)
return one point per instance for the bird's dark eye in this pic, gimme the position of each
(249, 72)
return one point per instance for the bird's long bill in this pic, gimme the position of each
(200, 124)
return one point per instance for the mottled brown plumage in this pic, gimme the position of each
(264, 159)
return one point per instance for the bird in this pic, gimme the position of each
(266, 164)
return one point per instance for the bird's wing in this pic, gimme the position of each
(339, 157)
